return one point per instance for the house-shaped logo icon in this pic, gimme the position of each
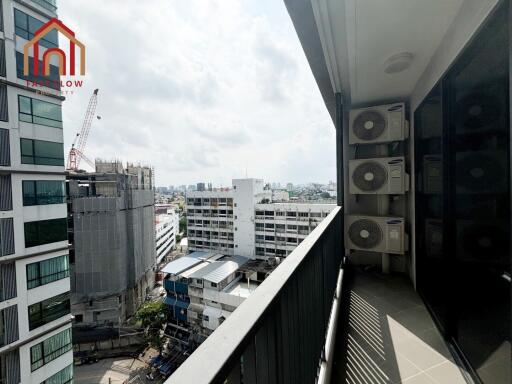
(34, 43)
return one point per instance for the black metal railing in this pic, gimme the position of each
(277, 335)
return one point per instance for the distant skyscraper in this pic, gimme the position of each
(200, 187)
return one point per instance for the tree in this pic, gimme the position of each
(325, 195)
(183, 226)
(153, 318)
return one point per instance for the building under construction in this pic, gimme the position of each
(112, 235)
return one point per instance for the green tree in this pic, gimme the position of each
(183, 226)
(153, 317)
(325, 195)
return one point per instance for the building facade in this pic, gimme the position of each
(249, 220)
(35, 333)
(112, 233)
(280, 227)
(166, 229)
(204, 288)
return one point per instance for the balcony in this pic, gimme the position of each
(316, 319)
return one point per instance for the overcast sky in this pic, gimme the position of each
(202, 90)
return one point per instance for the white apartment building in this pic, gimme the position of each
(247, 220)
(35, 326)
(280, 227)
(166, 229)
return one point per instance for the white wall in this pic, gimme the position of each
(244, 198)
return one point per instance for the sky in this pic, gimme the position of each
(202, 90)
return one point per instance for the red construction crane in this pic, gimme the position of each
(76, 153)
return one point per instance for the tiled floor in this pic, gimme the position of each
(386, 336)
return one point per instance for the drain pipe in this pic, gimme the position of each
(324, 374)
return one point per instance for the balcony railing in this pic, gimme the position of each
(278, 334)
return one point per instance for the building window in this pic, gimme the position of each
(2, 57)
(4, 110)
(214, 285)
(43, 192)
(51, 348)
(6, 236)
(41, 152)
(51, 81)
(48, 4)
(48, 310)
(45, 232)
(47, 271)
(39, 112)
(62, 377)
(26, 26)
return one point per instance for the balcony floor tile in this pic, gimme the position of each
(387, 336)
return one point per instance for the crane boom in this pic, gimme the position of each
(76, 153)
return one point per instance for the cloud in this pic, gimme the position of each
(202, 90)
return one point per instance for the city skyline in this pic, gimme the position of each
(186, 117)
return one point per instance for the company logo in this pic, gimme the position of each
(50, 52)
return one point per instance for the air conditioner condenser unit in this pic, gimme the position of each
(378, 124)
(376, 234)
(384, 176)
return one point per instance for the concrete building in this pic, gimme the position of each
(166, 229)
(112, 231)
(280, 227)
(249, 220)
(35, 334)
(204, 288)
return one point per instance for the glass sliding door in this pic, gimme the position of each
(462, 141)
(478, 114)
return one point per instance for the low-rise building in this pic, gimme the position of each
(204, 288)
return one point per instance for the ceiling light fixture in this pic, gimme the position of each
(398, 63)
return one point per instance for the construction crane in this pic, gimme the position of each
(76, 153)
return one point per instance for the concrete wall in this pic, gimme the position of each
(244, 196)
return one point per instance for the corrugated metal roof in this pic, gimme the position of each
(195, 268)
(224, 269)
(219, 270)
(206, 270)
(180, 265)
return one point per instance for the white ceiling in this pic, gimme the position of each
(374, 30)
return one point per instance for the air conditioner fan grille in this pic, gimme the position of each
(365, 233)
(369, 125)
(369, 176)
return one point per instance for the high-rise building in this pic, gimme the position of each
(200, 187)
(249, 220)
(35, 320)
(112, 233)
